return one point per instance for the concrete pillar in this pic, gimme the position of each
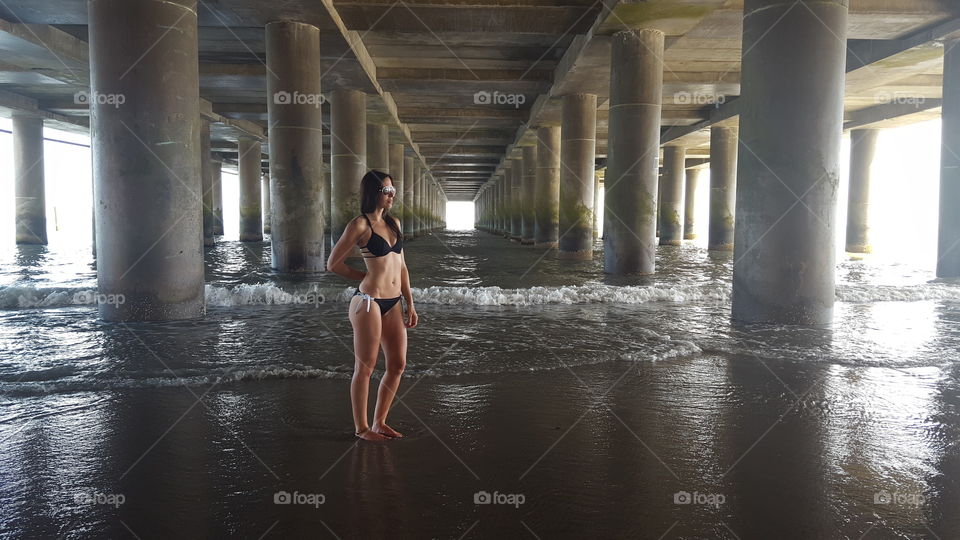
(407, 199)
(415, 199)
(723, 187)
(547, 199)
(206, 182)
(516, 199)
(348, 156)
(578, 139)
(529, 194)
(787, 182)
(327, 194)
(31, 206)
(671, 199)
(690, 204)
(948, 245)
(636, 86)
(378, 147)
(217, 174)
(863, 146)
(146, 158)
(397, 173)
(659, 199)
(251, 224)
(265, 208)
(295, 200)
(596, 204)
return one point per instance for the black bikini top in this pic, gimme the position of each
(377, 246)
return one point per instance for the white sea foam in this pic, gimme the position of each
(904, 293)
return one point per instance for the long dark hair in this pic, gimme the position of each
(370, 194)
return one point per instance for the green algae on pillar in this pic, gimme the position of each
(577, 155)
(547, 199)
(723, 187)
(671, 196)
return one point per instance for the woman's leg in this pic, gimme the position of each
(366, 347)
(393, 337)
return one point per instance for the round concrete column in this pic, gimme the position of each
(265, 207)
(251, 220)
(863, 147)
(636, 87)
(296, 192)
(217, 174)
(723, 187)
(547, 199)
(146, 158)
(671, 197)
(596, 204)
(690, 204)
(327, 194)
(948, 245)
(407, 199)
(31, 206)
(378, 147)
(516, 199)
(578, 139)
(787, 182)
(414, 207)
(396, 173)
(206, 182)
(348, 156)
(529, 194)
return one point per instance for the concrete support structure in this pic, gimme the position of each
(217, 174)
(596, 205)
(690, 204)
(792, 125)
(327, 194)
(397, 174)
(671, 196)
(723, 187)
(251, 219)
(348, 156)
(407, 199)
(516, 199)
(547, 197)
(265, 207)
(948, 245)
(417, 200)
(378, 147)
(529, 194)
(146, 158)
(206, 183)
(863, 147)
(578, 140)
(31, 205)
(636, 86)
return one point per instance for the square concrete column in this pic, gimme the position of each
(671, 196)
(948, 245)
(578, 140)
(636, 88)
(206, 182)
(690, 204)
(529, 194)
(789, 169)
(516, 199)
(378, 147)
(216, 168)
(250, 170)
(293, 204)
(547, 199)
(31, 206)
(723, 187)
(863, 147)
(407, 198)
(348, 156)
(146, 158)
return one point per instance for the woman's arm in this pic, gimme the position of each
(338, 255)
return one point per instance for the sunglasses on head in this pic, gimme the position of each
(388, 190)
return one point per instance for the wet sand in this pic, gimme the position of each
(608, 451)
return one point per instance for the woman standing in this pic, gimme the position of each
(375, 315)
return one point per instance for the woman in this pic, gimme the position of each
(376, 317)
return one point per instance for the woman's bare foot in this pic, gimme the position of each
(370, 435)
(384, 429)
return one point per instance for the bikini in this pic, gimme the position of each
(377, 246)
